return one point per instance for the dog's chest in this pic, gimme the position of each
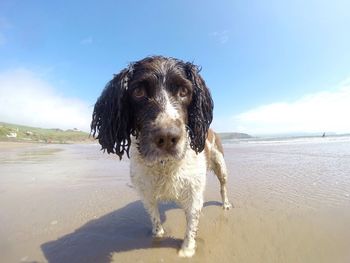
(178, 181)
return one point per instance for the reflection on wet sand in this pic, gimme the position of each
(71, 203)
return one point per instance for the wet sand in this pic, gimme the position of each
(71, 203)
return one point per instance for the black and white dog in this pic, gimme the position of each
(158, 112)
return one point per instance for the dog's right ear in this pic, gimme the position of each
(111, 118)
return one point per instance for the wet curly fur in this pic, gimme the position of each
(158, 111)
(114, 133)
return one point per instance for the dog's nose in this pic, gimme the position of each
(167, 138)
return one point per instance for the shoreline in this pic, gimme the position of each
(9, 143)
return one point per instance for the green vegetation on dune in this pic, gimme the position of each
(20, 133)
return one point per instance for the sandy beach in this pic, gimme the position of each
(72, 203)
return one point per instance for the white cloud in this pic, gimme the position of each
(326, 111)
(87, 41)
(25, 98)
(221, 36)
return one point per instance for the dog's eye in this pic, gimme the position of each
(183, 92)
(139, 93)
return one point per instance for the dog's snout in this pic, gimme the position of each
(167, 138)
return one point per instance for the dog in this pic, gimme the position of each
(158, 111)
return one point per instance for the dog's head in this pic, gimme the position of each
(164, 102)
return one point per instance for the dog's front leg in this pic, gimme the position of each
(152, 209)
(188, 247)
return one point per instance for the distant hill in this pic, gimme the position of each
(20, 133)
(234, 135)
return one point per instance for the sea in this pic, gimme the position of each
(290, 139)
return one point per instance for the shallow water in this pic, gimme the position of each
(71, 203)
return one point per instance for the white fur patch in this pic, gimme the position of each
(170, 110)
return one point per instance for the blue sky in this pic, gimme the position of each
(272, 66)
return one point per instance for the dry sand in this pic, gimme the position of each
(71, 203)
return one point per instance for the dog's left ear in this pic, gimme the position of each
(112, 117)
(200, 111)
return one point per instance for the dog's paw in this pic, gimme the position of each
(227, 205)
(186, 252)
